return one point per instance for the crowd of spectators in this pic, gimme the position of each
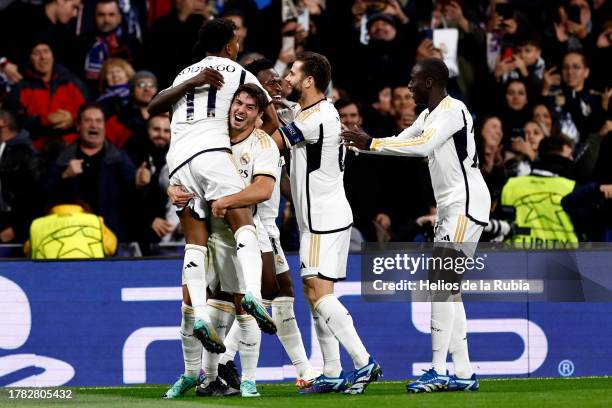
(76, 77)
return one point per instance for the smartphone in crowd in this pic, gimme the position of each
(505, 10)
(573, 14)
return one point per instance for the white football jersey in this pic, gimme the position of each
(200, 118)
(446, 137)
(257, 155)
(317, 169)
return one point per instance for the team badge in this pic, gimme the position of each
(245, 159)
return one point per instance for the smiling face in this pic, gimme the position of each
(273, 84)
(492, 133)
(541, 115)
(159, 131)
(91, 128)
(574, 71)
(243, 112)
(295, 81)
(402, 99)
(419, 85)
(116, 76)
(349, 116)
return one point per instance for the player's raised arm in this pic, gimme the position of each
(163, 101)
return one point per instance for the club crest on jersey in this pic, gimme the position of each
(245, 159)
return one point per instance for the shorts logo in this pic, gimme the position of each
(279, 260)
(445, 238)
(191, 265)
(245, 159)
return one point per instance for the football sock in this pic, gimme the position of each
(340, 323)
(195, 278)
(231, 343)
(192, 348)
(442, 318)
(249, 258)
(250, 339)
(289, 334)
(221, 316)
(330, 348)
(458, 343)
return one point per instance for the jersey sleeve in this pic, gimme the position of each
(266, 160)
(420, 140)
(305, 128)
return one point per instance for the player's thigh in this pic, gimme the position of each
(223, 270)
(323, 258)
(194, 227)
(457, 232)
(269, 284)
(217, 173)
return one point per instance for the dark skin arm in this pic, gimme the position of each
(270, 122)
(356, 138)
(163, 101)
(285, 185)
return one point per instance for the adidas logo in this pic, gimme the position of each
(239, 246)
(445, 238)
(302, 266)
(191, 264)
(435, 329)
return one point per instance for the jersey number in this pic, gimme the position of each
(210, 108)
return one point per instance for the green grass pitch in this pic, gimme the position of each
(571, 392)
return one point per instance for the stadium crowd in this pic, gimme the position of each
(76, 77)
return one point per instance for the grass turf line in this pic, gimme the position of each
(559, 392)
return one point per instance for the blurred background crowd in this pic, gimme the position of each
(535, 74)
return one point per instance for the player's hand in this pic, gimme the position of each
(219, 208)
(75, 167)
(207, 77)
(143, 175)
(179, 196)
(161, 227)
(356, 138)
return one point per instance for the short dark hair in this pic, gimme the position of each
(554, 145)
(259, 65)
(88, 106)
(105, 2)
(316, 66)
(344, 102)
(12, 119)
(529, 38)
(436, 69)
(255, 92)
(235, 13)
(581, 54)
(214, 35)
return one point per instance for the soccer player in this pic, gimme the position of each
(277, 285)
(444, 133)
(324, 219)
(200, 160)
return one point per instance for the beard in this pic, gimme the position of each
(295, 95)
